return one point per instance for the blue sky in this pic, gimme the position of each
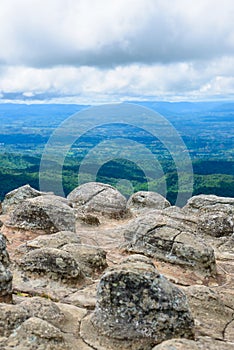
(95, 51)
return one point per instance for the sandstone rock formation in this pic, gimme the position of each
(79, 284)
(215, 214)
(99, 199)
(17, 196)
(47, 213)
(170, 236)
(5, 273)
(136, 303)
(144, 200)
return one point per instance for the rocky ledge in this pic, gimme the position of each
(95, 271)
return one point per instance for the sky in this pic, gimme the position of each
(100, 51)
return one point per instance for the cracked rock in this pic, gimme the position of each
(99, 199)
(170, 236)
(48, 213)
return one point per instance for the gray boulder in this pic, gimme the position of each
(35, 333)
(146, 200)
(170, 236)
(56, 240)
(90, 259)
(48, 213)
(5, 273)
(11, 317)
(215, 215)
(54, 263)
(138, 305)
(97, 198)
(17, 196)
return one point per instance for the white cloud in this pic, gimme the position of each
(118, 49)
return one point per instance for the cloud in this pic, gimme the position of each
(102, 50)
(107, 33)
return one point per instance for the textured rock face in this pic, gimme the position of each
(5, 273)
(17, 196)
(134, 301)
(146, 200)
(11, 317)
(98, 198)
(215, 214)
(56, 240)
(200, 344)
(36, 333)
(48, 213)
(53, 262)
(91, 259)
(170, 236)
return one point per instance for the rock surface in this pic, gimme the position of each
(5, 273)
(144, 200)
(169, 236)
(46, 213)
(53, 262)
(135, 302)
(98, 198)
(192, 247)
(17, 196)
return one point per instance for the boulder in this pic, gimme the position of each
(43, 308)
(170, 236)
(17, 196)
(136, 304)
(98, 198)
(209, 311)
(11, 317)
(5, 273)
(55, 263)
(215, 215)
(35, 333)
(90, 259)
(146, 200)
(45, 213)
(56, 240)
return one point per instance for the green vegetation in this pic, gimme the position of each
(208, 136)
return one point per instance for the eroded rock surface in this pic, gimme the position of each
(136, 303)
(5, 273)
(98, 198)
(144, 200)
(17, 196)
(170, 236)
(46, 213)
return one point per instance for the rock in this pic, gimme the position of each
(55, 263)
(5, 273)
(99, 199)
(215, 215)
(47, 213)
(17, 196)
(169, 236)
(90, 259)
(11, 317)
(35, 333)
(209, 311)
(56, 240)
(201, 344)
(45, 309)
(202, 201)
(216, 224)
(137, 304)
(146, 200)
(177, 344)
